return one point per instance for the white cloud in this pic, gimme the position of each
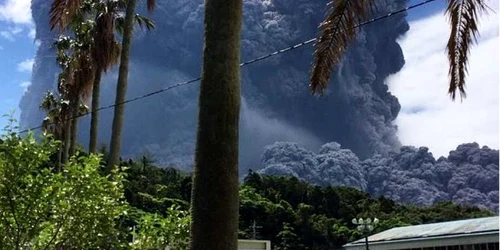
(428, 116)
(15, 30)
(18, 14)
(16, 11)
(11, 33)
(32, 33)
(25, 85)
(7, 35)
(26, 65)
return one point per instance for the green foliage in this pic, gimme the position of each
(297, 215)
(56, 109)
(290, 213)
(154, 189)
(41, 208)
(89, 205)
(80, 208)
(25, 195)
(155, 232)
(288, 239)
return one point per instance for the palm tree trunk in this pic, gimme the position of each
(74, 125)
(59, 160)
(215, 184)
(121, 87)
(60, 137)
(94, 120)
(67, 135)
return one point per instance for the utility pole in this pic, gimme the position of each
(254, 228)
(366, 241)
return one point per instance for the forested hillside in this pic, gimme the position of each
(291, 213)
(85, 208)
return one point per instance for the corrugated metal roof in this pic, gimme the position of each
(469, 226)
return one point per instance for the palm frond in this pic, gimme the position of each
(62, 11)
(336, 33)
(83, 109)
(66, 79)
(84, 75)
(47, 101)
(46, 126)
(54, 108)
(119, 23)
(463, 15)
(144, 22)
(106, 48)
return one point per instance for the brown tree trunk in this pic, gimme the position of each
(74, 125)
(59, 160)
(121, 87)
(58, 135)
(215, 184)
(67, 141)
(94, 120)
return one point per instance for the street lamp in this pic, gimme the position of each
(365, 226)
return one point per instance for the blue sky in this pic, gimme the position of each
(426, 10)
(17, 50)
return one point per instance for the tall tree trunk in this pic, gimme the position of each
(215, 184)
(74, 125)
(121, 87)
(59, 160)
(60, 137)
(67, 141)
(94, 120)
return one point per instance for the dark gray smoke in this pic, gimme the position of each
(468, 176)
(357, 110)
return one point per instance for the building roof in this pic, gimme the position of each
(451, 229)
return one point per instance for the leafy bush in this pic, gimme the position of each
(41, 208)
(155, 232)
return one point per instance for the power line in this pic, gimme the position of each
(290, 48)
(355, 27)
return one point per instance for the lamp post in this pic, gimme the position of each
(365, 226)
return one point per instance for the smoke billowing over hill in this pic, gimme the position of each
(469, 175)
(357, 111)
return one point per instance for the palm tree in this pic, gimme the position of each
(75, 59)
(103, 49)
(79, 73)
(121, 87)
(106, 53)
(70, 55)
(63, 59)
(54, 122)
(71, 84)
(215, 184)
(337, 31)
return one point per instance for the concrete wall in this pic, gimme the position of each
(254, 245)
